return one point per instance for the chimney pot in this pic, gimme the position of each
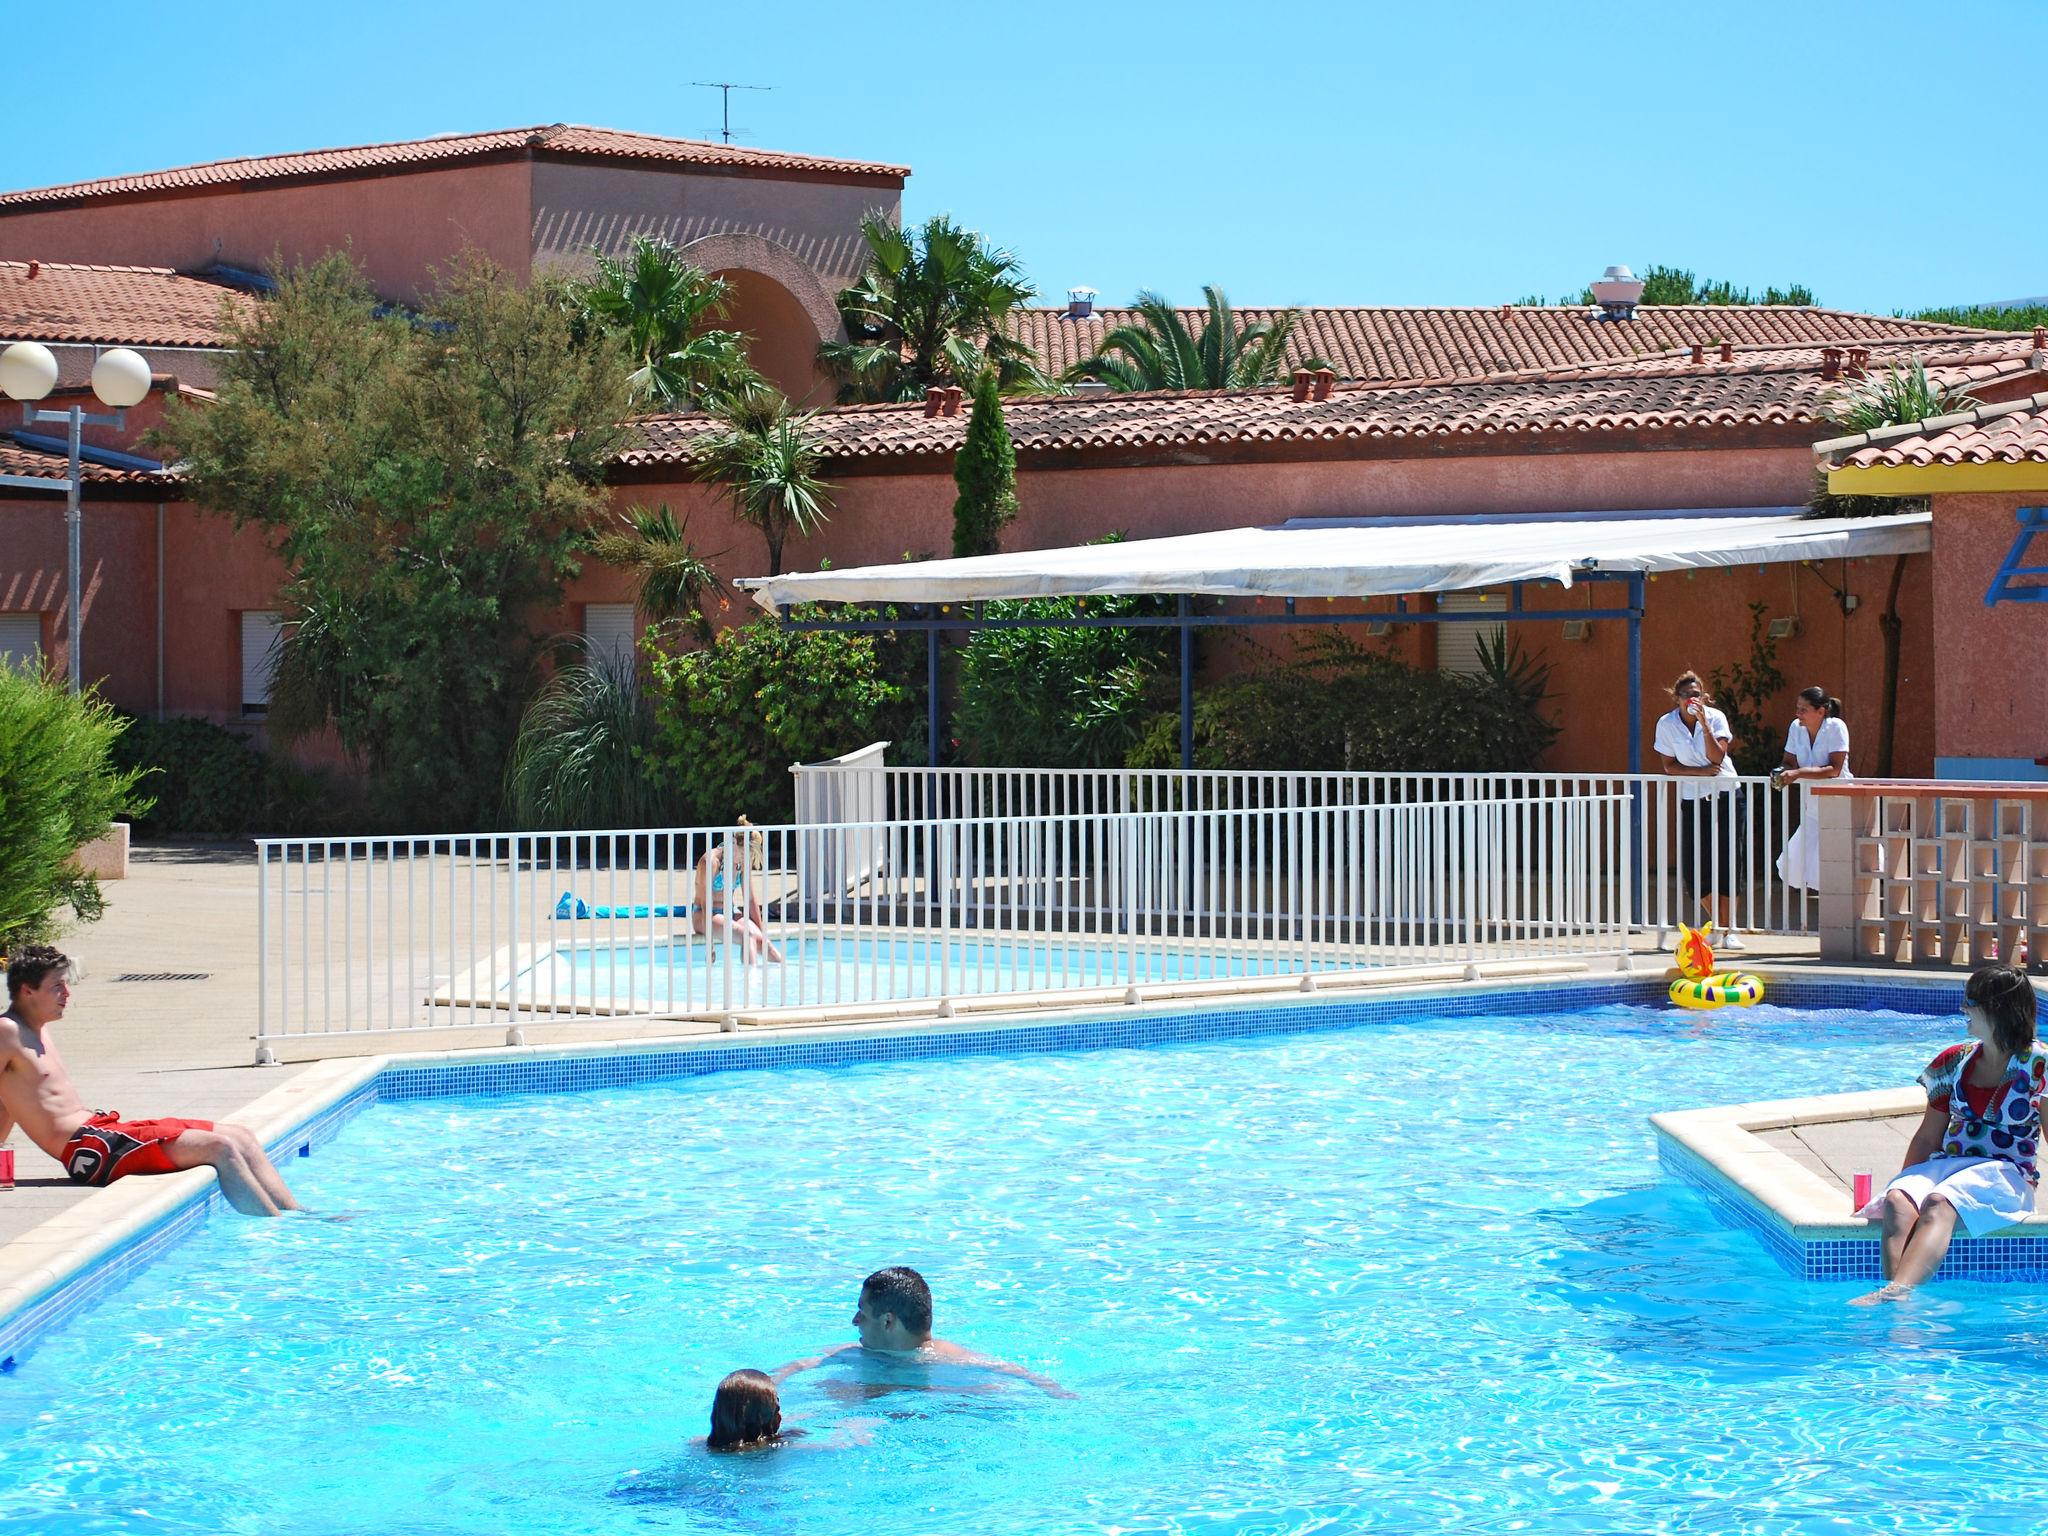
(1326, 381)
(953, 395)
(1699, 351)
(2041, 338)
(1727, 351)
(1859, 362)
(1301, 383)
(1080, 303)
(1831, 362)
(934, 400)
(1506, 310)
(36, 266)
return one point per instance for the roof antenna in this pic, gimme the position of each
(725, 88)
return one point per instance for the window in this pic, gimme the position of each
(609, 631)
(21, 639)
(1457, 645)
(259, 660)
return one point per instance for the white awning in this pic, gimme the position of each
(1375, 558)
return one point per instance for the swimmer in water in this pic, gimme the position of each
(894, 1319)
(746, 1414)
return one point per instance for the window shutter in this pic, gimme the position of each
(21, 639)
(609, 631)
(1457, 645)
(259, 660)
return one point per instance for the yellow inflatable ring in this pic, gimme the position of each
(1723, 989)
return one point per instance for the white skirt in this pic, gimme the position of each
(1799, 864)
(1987, 1192)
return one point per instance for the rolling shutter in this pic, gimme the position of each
(1457, 645)
(21, 639)
(609, 630)
(259, 660)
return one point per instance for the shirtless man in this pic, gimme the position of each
(894, 1317)
(36, 1093)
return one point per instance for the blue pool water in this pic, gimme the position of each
(1405, 1278)
(687, 975)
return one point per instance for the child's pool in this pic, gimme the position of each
(1410, 1277)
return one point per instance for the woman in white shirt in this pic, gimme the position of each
(1695, 744)
(1817, 747)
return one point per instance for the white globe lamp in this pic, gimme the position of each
(121, 378)
(28, 371)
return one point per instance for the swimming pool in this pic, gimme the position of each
(1416, 1276)
(683, 974)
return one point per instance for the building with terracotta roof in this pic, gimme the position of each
(1984, 473)
(782, 229)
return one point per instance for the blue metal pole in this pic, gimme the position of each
(1187, 688)
(1635, 742)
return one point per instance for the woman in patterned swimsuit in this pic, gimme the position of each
(1973, 1157)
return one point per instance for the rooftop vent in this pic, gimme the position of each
(1080, 303)
(1618, 293)
(1090, 388)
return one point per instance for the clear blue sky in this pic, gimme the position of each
(1295, 153)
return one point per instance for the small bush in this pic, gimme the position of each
(209, 781)
(1342, 709)
(583, 759)
(1061, 698)
(59, 787)
(731, 718)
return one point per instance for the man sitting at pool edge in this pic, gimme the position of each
(894, 1317)
(36, 1093)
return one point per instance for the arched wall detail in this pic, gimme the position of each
(715, 253)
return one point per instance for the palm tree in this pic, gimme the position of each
(1889, 399)
(932, 308)
(669, 577)
(659, 304)
(767, 464)
(1159, 352)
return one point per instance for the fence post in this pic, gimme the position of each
(265, 1056)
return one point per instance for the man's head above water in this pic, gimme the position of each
(895, 1311)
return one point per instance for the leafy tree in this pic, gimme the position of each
(1676, 285)
(2017, 317)
(732, 717)
(660, 306)
(1745, 693)
(670, 578)
(59, 788)
(932, 309)
(1888, 399)
(428, 487)
(766, 465)
(985, 470)
(1159, 352)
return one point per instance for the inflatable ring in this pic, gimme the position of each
(1723, 989)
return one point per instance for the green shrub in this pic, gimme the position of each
(59, 788)
(1343, 709)
(731, 718)
(1061, 698)
(583, 759)
(205, 780)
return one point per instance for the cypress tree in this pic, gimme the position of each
(986, 472)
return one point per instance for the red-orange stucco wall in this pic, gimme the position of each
(1991, 708)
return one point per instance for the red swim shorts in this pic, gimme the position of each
(107, 1147)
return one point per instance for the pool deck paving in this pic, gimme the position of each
(185, 1047)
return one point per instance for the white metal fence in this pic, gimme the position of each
(397, 934)
(1729, 845)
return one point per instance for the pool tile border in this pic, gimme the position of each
(68, 1263)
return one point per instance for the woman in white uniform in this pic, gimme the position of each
(1817, 747)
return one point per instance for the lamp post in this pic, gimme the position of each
(120, 378)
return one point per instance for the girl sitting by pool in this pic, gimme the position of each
(1973, 1157)
(722, 882)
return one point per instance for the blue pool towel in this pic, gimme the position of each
(571, 905)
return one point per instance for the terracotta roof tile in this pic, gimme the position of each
(1441, 342)
(2014, 433)
(554, 141)
(1781, 387)
(115, 306)
(19, 459)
